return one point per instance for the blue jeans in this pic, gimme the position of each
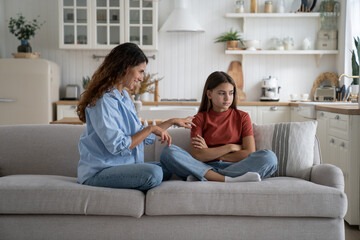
(142, 176)
(178, 161)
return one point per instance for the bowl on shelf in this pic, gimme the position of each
(252, 44)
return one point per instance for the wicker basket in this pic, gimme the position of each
(26, 55)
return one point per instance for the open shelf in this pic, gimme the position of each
(281, 52)
(271, 15)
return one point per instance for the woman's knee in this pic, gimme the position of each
(153, 176)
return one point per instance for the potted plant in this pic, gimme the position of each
(85, 82)
(24, 30)
(146, 87)
(232, 39)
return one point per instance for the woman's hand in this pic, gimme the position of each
(199, 142)
(163, 134)
(183, 122)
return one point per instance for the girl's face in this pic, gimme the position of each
(133, 76)
(222, 97)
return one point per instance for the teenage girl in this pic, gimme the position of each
(223, 145)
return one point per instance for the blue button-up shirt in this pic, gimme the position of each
(107, 138)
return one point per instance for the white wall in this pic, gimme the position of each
(184, 59)
(2, 29)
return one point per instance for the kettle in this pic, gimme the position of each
(72, 92)
(270, 89)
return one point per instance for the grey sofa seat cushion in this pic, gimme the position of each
(281, 196)
(50, 194)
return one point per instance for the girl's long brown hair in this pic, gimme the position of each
(109, 74)
(214, 80)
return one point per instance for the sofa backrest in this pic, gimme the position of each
(40, 149)
(179, 137)
(53, 149)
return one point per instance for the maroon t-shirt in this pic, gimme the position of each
(220, 128)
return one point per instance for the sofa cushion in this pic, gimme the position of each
(293, 144)
(40, 149)
(280, 196)
(49, 194)
(179, 137)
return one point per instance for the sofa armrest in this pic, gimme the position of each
(328, 175)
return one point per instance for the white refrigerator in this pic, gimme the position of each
(29, 89)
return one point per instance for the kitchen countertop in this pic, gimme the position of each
(342, 109)
(245, 103)
(171, 103)
(335, 108)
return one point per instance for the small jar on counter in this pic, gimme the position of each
(268, 7)
(239, 4)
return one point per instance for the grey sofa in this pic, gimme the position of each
(40, 199)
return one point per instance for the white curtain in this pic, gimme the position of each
(353, 30)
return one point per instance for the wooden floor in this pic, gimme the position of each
(352, 232)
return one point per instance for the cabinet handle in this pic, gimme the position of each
(322, 114)
(73, 107)
(342, 144)
(7, 100)
(337, 117)
(274, 108)
(332, 140)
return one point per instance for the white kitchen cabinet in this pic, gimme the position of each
(251, 110)
(321, 132)
(295, 116)
(74, 20)
(103, 24)
(273, 114)
(65, 110)
(339, 136)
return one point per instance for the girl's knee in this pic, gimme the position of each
(268, 156)
(168, 153)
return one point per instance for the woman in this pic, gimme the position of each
(223, 145)
(112, 146)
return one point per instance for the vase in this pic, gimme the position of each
(138, 106)
(232, 44)
(146, 97)
(25, 47)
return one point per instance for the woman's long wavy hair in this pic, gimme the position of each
(110, 74)
(214, 80)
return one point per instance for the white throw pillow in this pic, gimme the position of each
(293, 144)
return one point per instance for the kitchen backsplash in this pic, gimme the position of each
(186, 59)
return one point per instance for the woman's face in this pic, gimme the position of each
(133, 76)
(222, 97)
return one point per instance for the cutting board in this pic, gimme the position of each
(235, 71)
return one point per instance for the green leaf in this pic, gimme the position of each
(229, 36)
(23, 29)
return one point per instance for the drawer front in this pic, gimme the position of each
(65, 111)
(273, 114)
(339, 125)
(251, 111)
